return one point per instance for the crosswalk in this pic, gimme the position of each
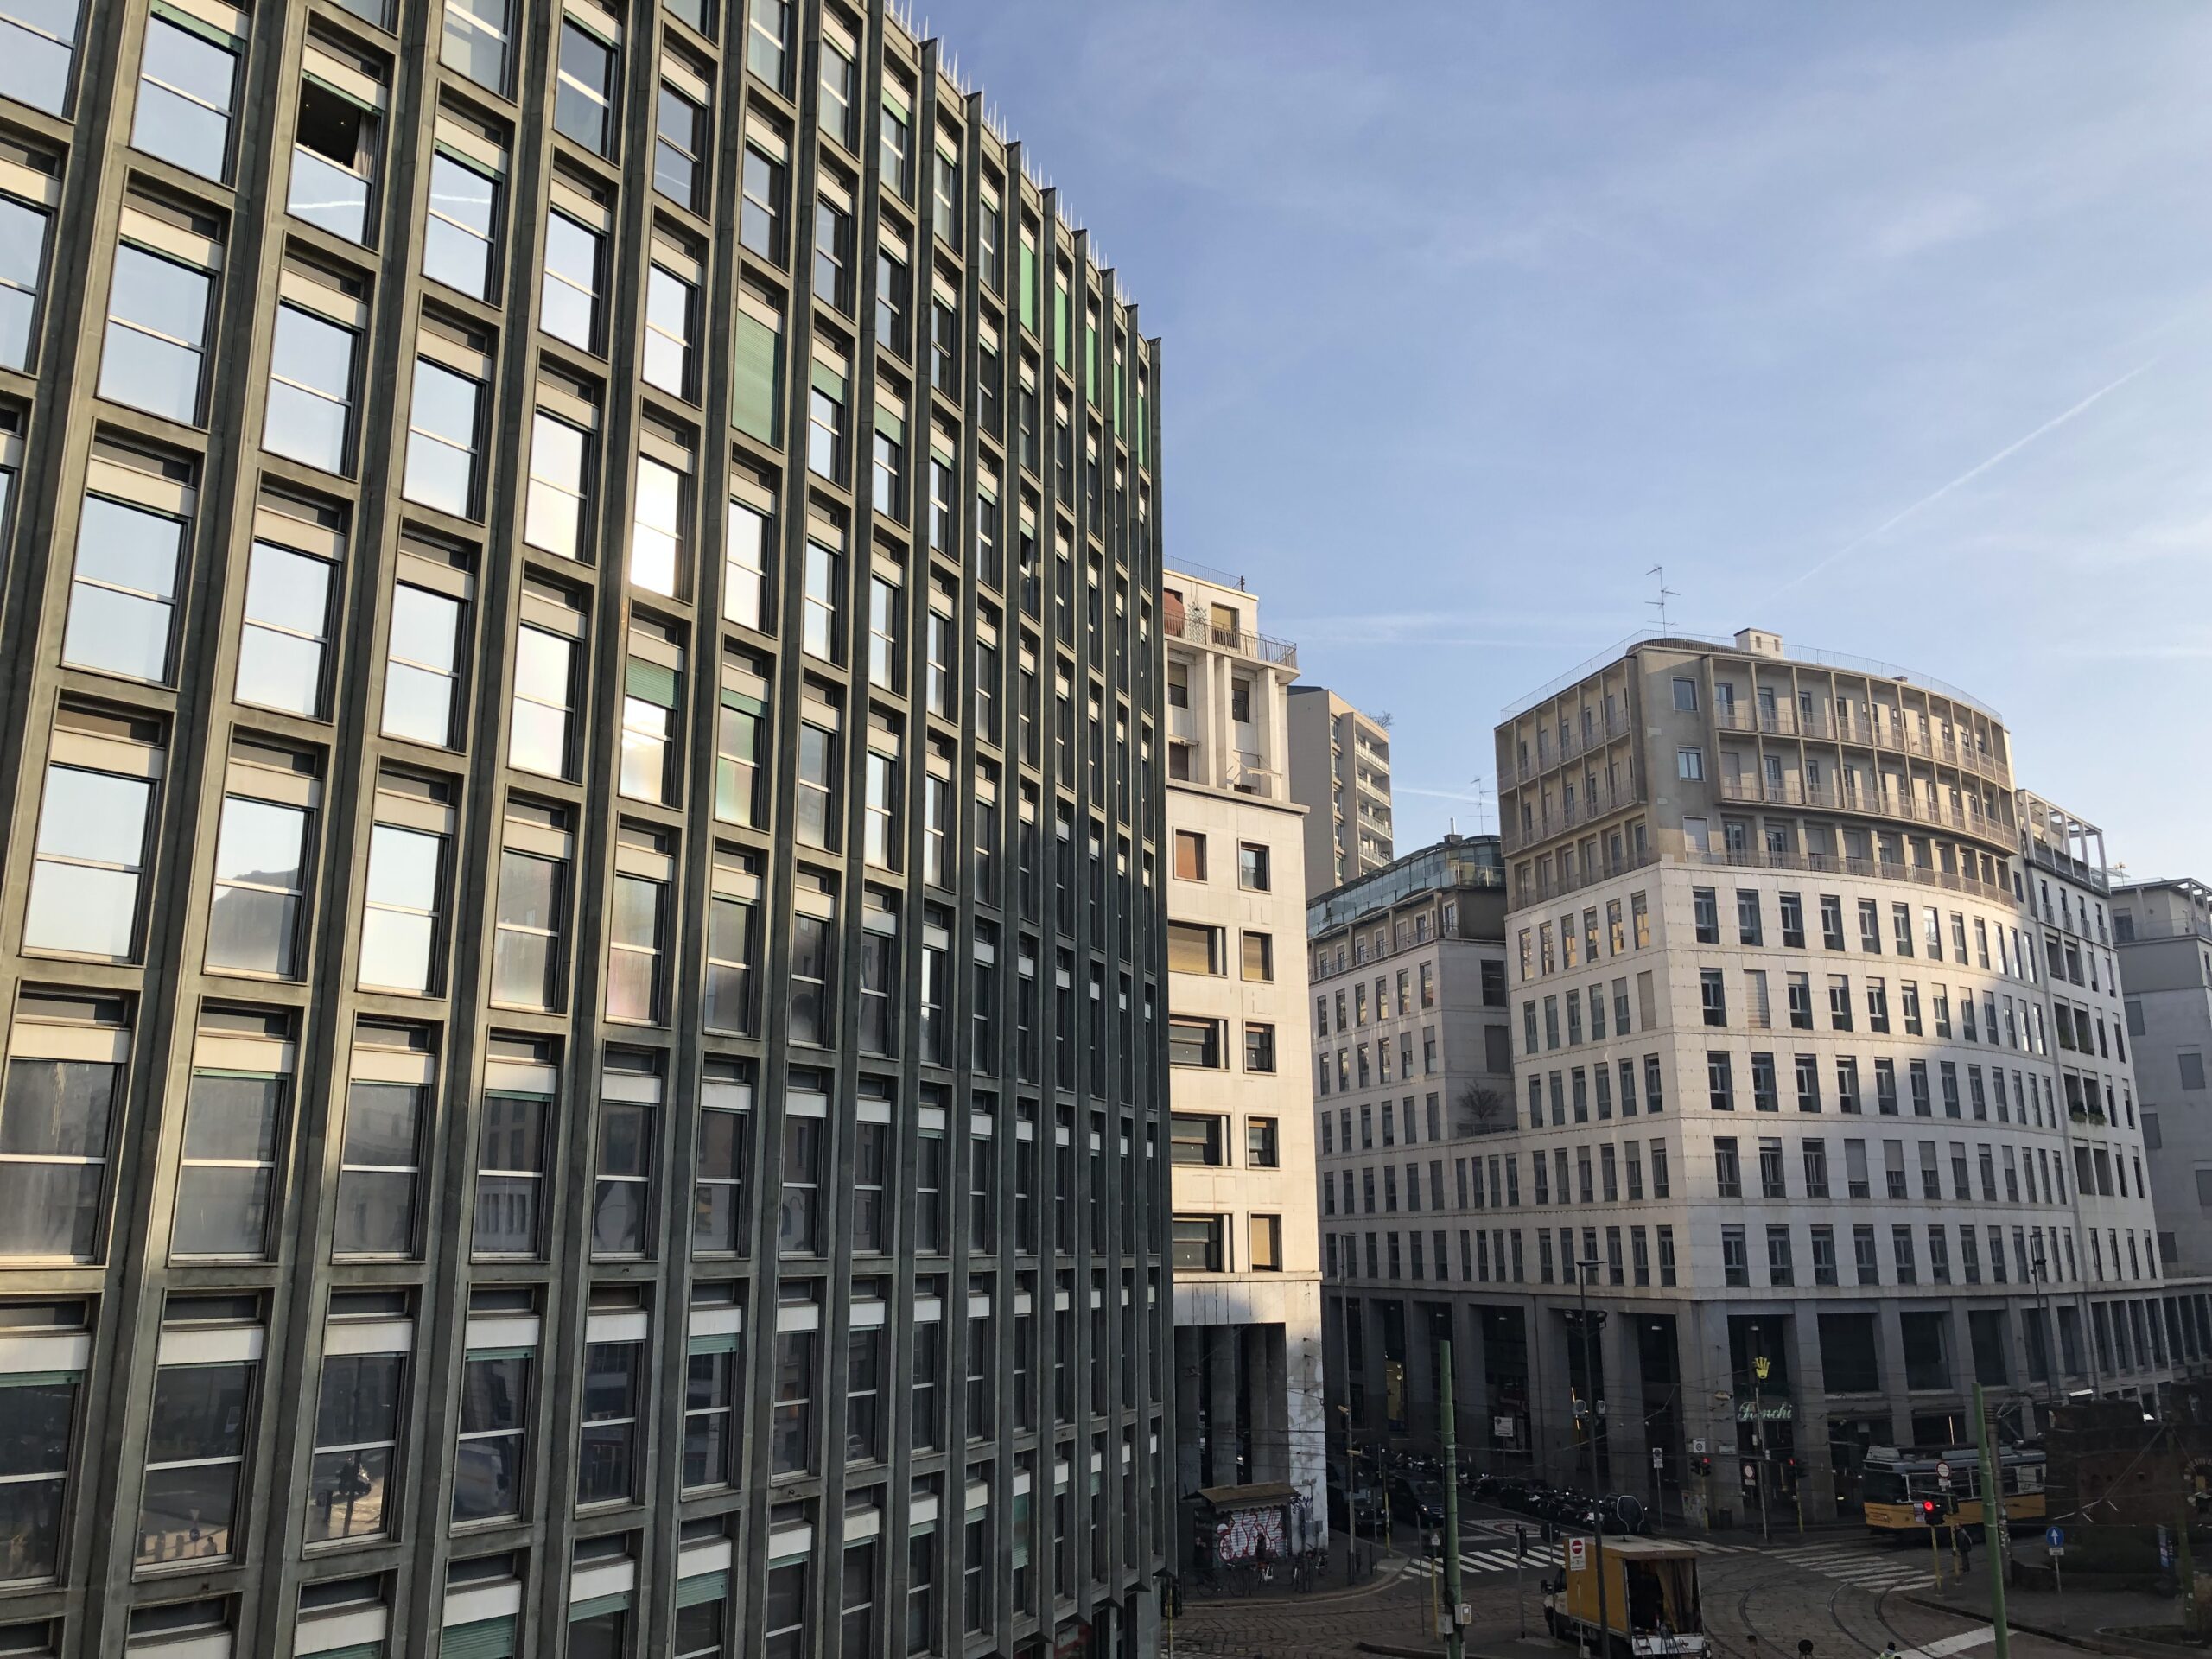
(1860, 1563)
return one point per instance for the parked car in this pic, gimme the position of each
(1361, 1510)
(1418, 1500)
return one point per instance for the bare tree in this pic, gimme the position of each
(1482, 1108)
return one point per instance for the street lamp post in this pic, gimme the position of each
(1759, 1368)
(1583, 1269)
(2043, 1305)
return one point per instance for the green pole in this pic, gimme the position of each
(2182, 1559)
(1455, 1644)
(1993, 1530)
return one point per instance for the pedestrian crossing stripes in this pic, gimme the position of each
(1867, 1566)
(1873, 1567)
(1539, 1557)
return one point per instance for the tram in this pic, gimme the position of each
(1895, 1479)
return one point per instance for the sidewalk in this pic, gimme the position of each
(2084, 1618)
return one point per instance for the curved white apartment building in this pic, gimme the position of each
(1819, 1063)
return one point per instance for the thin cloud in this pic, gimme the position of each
(1963, 478)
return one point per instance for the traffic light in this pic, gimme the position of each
(1705, 1465)
(1930, 1511)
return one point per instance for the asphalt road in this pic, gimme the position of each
(1842, 1592)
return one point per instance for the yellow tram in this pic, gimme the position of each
(1895, 1482)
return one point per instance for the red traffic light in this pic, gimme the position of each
(1928, 1510)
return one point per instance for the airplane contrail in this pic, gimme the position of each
(1966, 477)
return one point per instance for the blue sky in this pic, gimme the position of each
(1886, 326)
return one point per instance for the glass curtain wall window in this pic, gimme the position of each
(444, 427)
(568, 296)
(123, 591)
(351, 1479)
(463, 219)
(399, 921)
(658, 543)
(474, 40)
(260, 877)
(310, 389)
(233, 1122)
(553, 515)
(195, 1457)
(679, 149)
(156, 336)
(538, 733)
(333, 160)
(672, 305)
(37, 49)
(56, 1116)
(188, 80)
(491, 1459)
(286, 631)
(584, 97)
(41, 1408)
(420, 676)
(526, 953)
(22, 263)
(380, 1165)
(90, 855)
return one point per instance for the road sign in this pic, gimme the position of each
(2054, 1536)
(1697, 1448)
(1943, 1475)
(1578, 1553)
(1658, 1457)
(2057, 1552)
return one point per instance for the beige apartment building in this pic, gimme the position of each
(1793, 1085)
(2162, 932)
(1247, 1337)
(1340, 773)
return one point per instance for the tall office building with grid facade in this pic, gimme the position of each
(580, 939)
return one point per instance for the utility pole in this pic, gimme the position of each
(1582, 1271)
(1455, 1644)
(1993, 1516)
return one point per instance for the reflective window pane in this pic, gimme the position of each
(457, 236)
(310, 389)
(91, 834)
(156, 330)
(259, 881)
(419, 675)
(399, 922)
(442, 439)
(376, 1173)
(185, 88)
(286, 613)
(22, 262)
(55, 1117)
(37, 43)
(225, 1178)
(475, 40)
(124, 586)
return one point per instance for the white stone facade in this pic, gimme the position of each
(1248, 1272)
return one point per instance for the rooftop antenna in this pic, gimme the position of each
(1482, 804)
(1665, 593)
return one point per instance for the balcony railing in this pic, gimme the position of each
(1559, 820)
(1970, 819)
(1199, 627)
(1752, 858)
(1782, 722)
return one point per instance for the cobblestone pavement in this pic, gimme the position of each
(1846, 1595)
